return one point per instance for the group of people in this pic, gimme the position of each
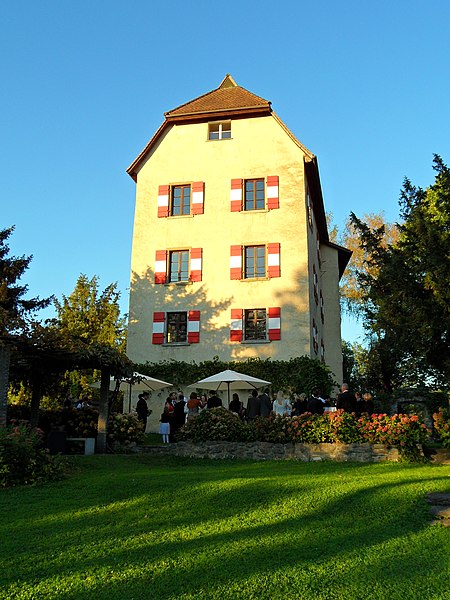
(178, 409)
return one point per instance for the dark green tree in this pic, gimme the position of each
(16, 311)
(407, 297)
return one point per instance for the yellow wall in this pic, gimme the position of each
(259, 147)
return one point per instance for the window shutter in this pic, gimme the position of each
(274, 326)
(158, 327)
(193, 326)
(161, 266)
(236, 195)
(196, 264)
(163, 200)
(273, 260)
(198, 197)
(236, 325)
(272, 193)
(236, 262)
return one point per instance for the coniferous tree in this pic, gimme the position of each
(16, 311)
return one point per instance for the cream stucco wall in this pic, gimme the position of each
(259, 147)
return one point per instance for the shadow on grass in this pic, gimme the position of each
(155, 528)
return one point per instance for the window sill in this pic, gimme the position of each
(256, 210)
(220, 140)
(169, 283)
(255, 279)
(175, 344)
(191, 216)
(255, 342)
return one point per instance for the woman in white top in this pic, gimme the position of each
(281, 406)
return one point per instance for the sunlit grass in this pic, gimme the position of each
(125, 527)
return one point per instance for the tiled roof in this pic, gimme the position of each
(227, 97)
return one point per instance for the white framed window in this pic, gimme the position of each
(219, 131)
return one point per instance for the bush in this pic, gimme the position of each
(441, 421)
(216, 424)
(274, 429)
(23, 460)
(406, 432)
(125, 430)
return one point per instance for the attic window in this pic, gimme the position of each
(219, 131)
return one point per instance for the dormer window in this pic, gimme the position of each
(219, 131)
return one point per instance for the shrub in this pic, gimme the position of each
(441, 421)
(274, 429)
(23, 460)
(125, 429)
(216, 424)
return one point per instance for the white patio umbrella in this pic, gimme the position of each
(139, 383)
(230, 380)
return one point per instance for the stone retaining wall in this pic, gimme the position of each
(268, 451)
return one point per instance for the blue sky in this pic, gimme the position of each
(364, 85)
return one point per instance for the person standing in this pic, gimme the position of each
(346, 400)
(281, 405)
(236, 406)
(164, 426)
(265, 404)
(213, 401)
(142, 408)
(253, 406)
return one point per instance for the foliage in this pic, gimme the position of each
(352, 294)
(441, 421)
(403, 431)
(15, 311)
(125, 430)
(216, 424)
(23, 460)
(407, 300)
(300, 374)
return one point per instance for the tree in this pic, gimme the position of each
(351, 291)
(16, 312)
(406, 292)
(93, 318)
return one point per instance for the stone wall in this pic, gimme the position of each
(268, 451)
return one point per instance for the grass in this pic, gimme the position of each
(132, 527)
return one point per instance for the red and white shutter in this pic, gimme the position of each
(163, 200)
(161, 266)
(272, 192)
(236, 262)
(158, 327)
(273, 260)
(236, 325)
(193, 326)
(274, 326)
(196, 264)
(236, 195)
(198, 197)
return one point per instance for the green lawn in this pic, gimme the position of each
(128, 527)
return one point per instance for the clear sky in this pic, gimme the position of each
(84, 85)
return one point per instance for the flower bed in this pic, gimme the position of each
(405, 432)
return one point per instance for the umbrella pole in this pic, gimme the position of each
(129, 400)
(228, 383)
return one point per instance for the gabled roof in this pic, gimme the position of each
(229, 100)
(228, 97)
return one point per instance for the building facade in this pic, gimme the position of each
(231, 255)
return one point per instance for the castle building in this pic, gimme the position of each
(231, 254)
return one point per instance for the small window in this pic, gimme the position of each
(255, 324)
(180, 200)
(178, 266)
(219, 131)
(254, 262)
(254, 194)
(176, 327)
